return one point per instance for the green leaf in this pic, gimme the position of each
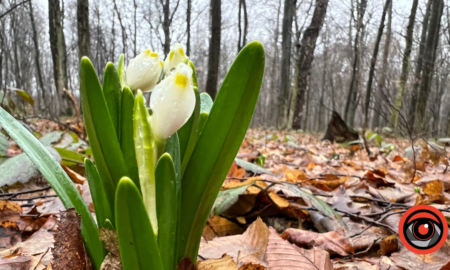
(60, 182)
(317, 203)
(206, 102)
(146, 157)
(167, 206)
(138, 245)
(120, 69)
(112, 90)
(187, 134)
(25, 96)
(126, 135)
(194, 74)
(228, 198)
(261, 160)
(251, 167)
(218, 145)
(201, 123)
(70, 155)
(103, 208)
(99, 126)
(51, 138)
(4, 145)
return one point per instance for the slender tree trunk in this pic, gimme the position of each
(166, 27)
(84, 35)
(242, 36)
(57, 46)
(373, 63)
(272, 119)
(429, 59)
(135, 6)
(214, 48)
(405, 66)
(188, 27)
(285, 81)
(419, 65)
(124, 32)
(37, 56)
(306, 58)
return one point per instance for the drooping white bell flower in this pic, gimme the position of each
(175, 57)
(172, 102)
(144, 71)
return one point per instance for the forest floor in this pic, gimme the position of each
(264, 216)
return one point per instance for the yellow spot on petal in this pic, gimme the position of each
(161, 63)
(181, 80)
(181, 52)
(171, 55)
(148, 52)
(154, 54)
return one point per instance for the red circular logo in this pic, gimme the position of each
(423, 229)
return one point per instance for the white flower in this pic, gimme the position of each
(175, 57)
(172, 102)
(143, 71)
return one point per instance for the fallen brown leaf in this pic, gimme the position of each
(224, 263)
(223, 227)
(388, 245)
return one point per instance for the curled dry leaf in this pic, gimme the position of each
(281, 255)
(111, 262)
(388, 245)
(223, 227)
(332, 241)
(434, 190)
(74, 176)
(224, 263)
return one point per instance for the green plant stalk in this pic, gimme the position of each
(194, 74)
(167, 208)
(138, 245)
(120, 70)
(60, 182)
(218, 144)
(146, 157)
(112, 90)
(126, 135)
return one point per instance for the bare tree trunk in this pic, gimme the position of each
(429, 59)
(166, 27)
(285, 81)
(84, 35)
(405, 66)
(306, 58)
(214, 48)
(37, 56)
(274, 71)
(324, 81)
(135, 28)
(242, 37)
(350, 105)
(373, 63)
(124, 32)
(419, 65)
(57, 46)
(188, 27)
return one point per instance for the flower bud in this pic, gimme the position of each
(144, 71)
(175, 57)
(172, 102)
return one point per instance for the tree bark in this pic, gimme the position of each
(419, 65)
(306, 58)
(242, 36)
(373, 63)
(124, 32)
(188, 27)
(274, 72)
(37, 55)
(429, 59)
(285, 81)
(384, 70)
(57, 46)
(84, 34)
(405, 67)
(214, 48)
(166, 27)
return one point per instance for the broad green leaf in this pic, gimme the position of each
(70, 155)
(228, 198)
(218, 145)
(126, 135)
(146, 157)
(251, 167)
(138, 245)
(187, 134)
(112, 90)
(167, 205)
(99, 126)
(51, 138)
(66, 140)
(201, 123)
(25, 96)
(103, 208)
(206, 102)
(60, 182)
(317, 203)
(120, 69)
(4, 145)
(261, 160)
(173, 148)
